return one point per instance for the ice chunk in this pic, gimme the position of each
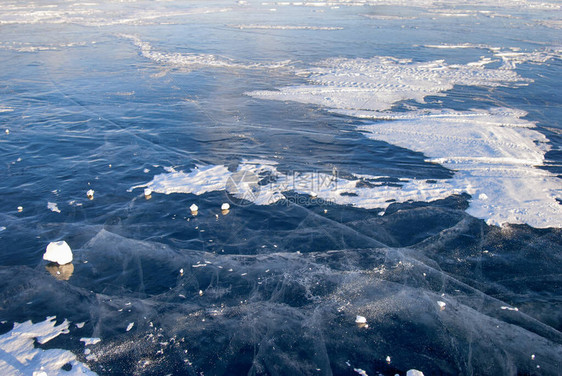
(360, 320)
(58, 252)
(414, 372)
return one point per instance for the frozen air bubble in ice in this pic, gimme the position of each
(58, 252)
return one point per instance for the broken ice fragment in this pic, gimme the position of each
(52, 206)
(58, 252)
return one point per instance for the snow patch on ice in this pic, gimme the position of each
(494, 154)
(244, 184)
(285, 27)
(90, 341)
(378, 83)
(19, 356)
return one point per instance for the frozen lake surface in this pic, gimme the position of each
(272, 188)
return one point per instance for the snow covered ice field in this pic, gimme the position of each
(392, 171)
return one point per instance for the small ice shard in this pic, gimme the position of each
(388, 359)
(441, 305)
(510, 308)
(20, 209)
(52, 206)
(360, 371)
(90, 194)
(130, 326)
(225, 206)
(194, 209)
(414, 372)
(147, 193)
(58, 252)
